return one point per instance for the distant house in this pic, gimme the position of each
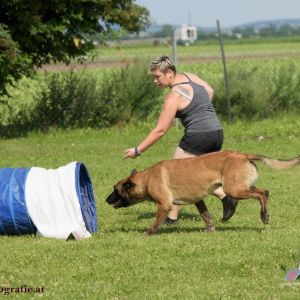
(186, 34)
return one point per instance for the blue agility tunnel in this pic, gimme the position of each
(49, 202)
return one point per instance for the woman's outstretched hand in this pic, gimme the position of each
(129, 153)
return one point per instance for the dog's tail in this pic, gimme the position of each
(280, 164)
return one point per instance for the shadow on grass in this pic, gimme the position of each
(183, 215)
(167, 229)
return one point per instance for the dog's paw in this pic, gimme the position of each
(151, 231)
(264, 217)
(210, 229)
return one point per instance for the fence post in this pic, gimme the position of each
(174, 48)
(225, 72)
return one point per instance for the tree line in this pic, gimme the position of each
(237, 32)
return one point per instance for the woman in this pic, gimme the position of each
(190, 100)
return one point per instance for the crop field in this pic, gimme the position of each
(243, 259)
(201, 52)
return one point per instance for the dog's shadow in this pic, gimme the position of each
(167, 229)
(220, 227)
(183, 215)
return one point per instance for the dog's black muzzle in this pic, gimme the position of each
(116, 200)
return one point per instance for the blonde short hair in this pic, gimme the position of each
(163, 64)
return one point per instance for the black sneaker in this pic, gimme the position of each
(169, 221)
(229, 207)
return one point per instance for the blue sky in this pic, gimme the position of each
(228, 12)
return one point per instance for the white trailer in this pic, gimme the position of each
(186, 34)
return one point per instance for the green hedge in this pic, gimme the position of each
(259, 91)
(100, 99)
(81, 99)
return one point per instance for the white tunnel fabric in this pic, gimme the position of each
(52, 202)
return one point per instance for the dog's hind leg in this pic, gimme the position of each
(205, 215)
(253, 192)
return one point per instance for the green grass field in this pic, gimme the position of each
(243, 259)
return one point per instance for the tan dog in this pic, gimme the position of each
(189, 180)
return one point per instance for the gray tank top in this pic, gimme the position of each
(199, 115)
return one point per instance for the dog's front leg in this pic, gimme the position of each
(161, 214)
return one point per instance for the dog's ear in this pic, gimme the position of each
(133, 172)
(128, 185)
